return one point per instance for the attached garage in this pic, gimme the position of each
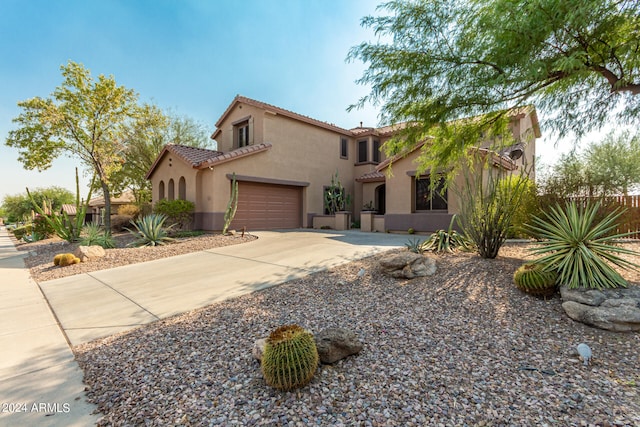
(264, 206)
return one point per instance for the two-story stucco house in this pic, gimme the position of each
(284, 161)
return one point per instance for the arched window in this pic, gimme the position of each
(172, 190)
(182, 188)
(161, 190)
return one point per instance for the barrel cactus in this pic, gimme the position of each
(533, 279)
(64, 260)
(290, 358)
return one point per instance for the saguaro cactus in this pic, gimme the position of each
(232, 206)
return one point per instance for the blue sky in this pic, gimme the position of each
(189, 56)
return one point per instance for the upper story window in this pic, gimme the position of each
(376, 151)
(430, 198)
(241, 134)
(363, 154)
(344, 148)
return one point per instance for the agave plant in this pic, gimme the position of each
(580, 251)
(415, 245)
(151, 231)
(93, 234)
(446, 240)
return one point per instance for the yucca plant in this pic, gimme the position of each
(580, 250)
(446, 240)
(151, 231)
(93, 234)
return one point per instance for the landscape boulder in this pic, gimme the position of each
(611, 309)
(87, 253)
(333, 344)
(407, 265)
(336, 343)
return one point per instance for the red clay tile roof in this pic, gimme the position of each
(68, 209)
(276, 110)
(193, 155)
(124, 198)
(235, 154)
(374, 176)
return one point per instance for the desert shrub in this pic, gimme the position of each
(42, 227)
(178, 212)
(488, 207)
(19, 232)
(120, 222)
(129, 210)
(581, 249)
(528, 206)
(290, 358)
(93, 234)
(150, 231)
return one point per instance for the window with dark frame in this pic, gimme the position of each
(363, 155)
(376, 151)
(428, 198)
(344, 148)
(242, 132)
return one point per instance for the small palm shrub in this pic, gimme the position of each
(93, 234)
(446, 240)
(151, 231)
(533, 279)
(415, 246)
(290, 358)
(580, 249)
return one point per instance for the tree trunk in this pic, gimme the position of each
(107, 206)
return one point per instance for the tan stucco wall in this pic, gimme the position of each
(170, 167)
(300, 152)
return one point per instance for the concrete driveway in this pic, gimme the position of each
(98, 304)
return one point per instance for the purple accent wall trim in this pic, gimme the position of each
(209, 221)
(428, 222)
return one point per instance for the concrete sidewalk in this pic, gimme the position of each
(98, 304)
(40, 382)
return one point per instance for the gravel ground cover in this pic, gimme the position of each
(40, 260)
(463, 347)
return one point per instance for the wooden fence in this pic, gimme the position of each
(629, 221)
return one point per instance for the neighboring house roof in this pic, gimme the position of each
(68, 209)
(275, 110)
(124, 198)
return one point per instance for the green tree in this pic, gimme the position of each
(436, 61)
(604, 168)
(613, 164)
(153, 131)
(20, 206)
(568, 177)
(84, 118)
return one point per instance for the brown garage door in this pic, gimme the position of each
(268, 206)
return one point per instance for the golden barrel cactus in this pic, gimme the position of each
(290, 358)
